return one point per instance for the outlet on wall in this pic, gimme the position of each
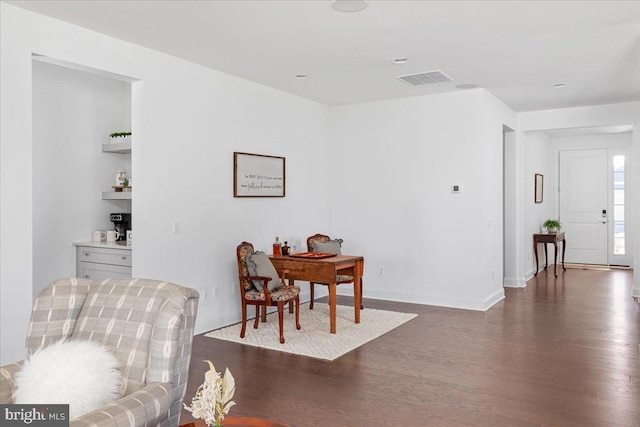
(204, 295)
(381, 271)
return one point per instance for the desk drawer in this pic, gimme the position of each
(95, 271)
(120, 257)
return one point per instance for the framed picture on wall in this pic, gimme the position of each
(258, 175)
(539, 188)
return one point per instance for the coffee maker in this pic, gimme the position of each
(121, 223)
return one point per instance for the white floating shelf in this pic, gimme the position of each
(121, 148)
(119, 195)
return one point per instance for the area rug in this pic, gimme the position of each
(314, 339)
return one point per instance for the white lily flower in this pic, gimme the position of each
(213, 398)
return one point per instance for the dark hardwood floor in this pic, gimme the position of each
(560, 352)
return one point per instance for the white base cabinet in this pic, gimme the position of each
(96, 261)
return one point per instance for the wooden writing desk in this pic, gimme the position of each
(325, 270)
(553, 238)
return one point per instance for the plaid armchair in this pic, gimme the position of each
(147, 324)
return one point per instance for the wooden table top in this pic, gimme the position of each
(239, 422)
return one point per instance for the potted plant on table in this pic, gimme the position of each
(552, 225)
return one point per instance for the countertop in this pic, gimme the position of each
(104, 245)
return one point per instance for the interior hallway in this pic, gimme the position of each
(559, 352)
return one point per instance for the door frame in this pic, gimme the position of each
(621, 260)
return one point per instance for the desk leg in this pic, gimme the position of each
(332, 307)
(564, 248)
(357, 289)
(535, 252)
(546, 256)
(555, 258)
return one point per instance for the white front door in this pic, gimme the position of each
(583, 205)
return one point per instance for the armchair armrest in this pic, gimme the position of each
(263, 278)
(265, 288)
(141, 408)
(7, 387)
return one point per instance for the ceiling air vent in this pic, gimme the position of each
(427, 77)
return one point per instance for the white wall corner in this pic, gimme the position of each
(514, 282)
(635, 208)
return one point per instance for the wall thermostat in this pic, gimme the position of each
(456, 188)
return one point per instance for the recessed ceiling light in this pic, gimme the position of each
(301, 76)
(560, 85)
(467, 86)
(349, 5)
(400, 61)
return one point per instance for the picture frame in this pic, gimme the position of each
(539, 188)
(258, 175)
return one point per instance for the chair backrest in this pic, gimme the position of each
(148, 324)
(243, 251)
(316, 238)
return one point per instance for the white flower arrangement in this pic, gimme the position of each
(213, 398)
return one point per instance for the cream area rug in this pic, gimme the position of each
(314, 339)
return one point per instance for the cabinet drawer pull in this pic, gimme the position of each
(86, 276)
(87, 254)
(123, 257)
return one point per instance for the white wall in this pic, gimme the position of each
(512, 182)
(626, 113)
(392, 167)
(537, 153)
(188, 120)
(73, 114)
(634, 208)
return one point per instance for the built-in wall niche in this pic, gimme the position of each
(75, 109)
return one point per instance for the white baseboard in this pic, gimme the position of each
(216, 322)
(436, 300)
(512, 282)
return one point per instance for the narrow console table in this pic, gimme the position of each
(553, 238)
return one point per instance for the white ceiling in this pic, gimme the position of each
(516, 49)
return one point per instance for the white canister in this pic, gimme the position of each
(121, 176)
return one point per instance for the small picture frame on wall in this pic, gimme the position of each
(539, 188)
(258, 175)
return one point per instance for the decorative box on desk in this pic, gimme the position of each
(95, 260)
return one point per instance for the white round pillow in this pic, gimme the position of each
(83, 374)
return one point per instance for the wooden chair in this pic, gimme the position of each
(342, 278)
(265, 298)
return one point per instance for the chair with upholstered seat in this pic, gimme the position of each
(146, 324)
(323, 243)
(261, 286)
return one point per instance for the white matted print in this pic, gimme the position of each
(257, 175)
